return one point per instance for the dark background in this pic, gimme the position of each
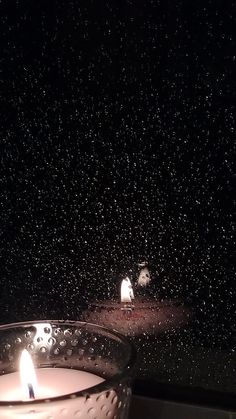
(117, 144)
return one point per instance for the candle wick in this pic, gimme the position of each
(31, 391)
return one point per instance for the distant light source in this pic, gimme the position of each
(126, 291)
(144, 277)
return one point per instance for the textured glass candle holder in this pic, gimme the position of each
(69, 345)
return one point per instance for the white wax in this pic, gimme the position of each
(52, 382)
(57, 382)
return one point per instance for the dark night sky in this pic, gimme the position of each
(117, 139)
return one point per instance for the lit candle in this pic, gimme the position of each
(72, 359)
(47, 383)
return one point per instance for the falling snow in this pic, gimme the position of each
(118, 146)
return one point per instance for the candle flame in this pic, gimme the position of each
(27, 375)
(126, 291)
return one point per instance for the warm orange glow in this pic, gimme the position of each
(27, 375)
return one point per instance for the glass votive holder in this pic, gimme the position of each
(82, 370)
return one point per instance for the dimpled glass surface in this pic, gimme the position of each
(69, 345)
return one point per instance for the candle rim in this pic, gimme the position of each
(105, 385)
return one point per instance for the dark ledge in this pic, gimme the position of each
(185, 395)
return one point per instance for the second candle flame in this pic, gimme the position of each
(126, 291)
